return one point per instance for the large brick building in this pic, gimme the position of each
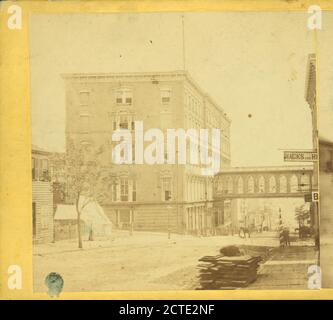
(98, 104)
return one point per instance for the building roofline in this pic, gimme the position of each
(265, 169)
(36, 149)
(121, 74)
(176, 73)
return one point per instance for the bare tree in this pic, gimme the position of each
(302, 214)
(85, 177)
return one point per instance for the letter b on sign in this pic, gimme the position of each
(315, 196)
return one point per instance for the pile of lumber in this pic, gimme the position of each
(225, 272)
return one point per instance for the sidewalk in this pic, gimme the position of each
(121, 239)
(287, 269)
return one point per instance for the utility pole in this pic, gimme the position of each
(168, 198)
(311, 98)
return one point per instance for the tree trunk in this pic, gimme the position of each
(78, 222)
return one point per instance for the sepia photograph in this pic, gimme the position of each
(180, 151)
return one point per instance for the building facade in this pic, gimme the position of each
(42, 197)
(155, 197)
(326, 186)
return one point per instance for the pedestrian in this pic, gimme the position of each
(286, 238)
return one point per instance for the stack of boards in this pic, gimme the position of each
(223, 272)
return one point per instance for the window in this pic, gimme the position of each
(45, 170)
(134, 191)
(84, 97)
(166, 189)
(124, 96)
(165, 95)
(33, 168)
(250, 185)
(84, 122)
(227, 188)
(293, 183)
(283, 184)
(272, 184)
(124, 189)
(123, 124)
(261, 184)
(40, 169)
(240, 185)
(119, 97)
(305, 183)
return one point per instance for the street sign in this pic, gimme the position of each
(315, 196)
(312, 197)
(302, 156)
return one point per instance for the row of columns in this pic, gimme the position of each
(196, 218)
(199, 188)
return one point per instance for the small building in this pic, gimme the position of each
(42, 197)
(92, 219)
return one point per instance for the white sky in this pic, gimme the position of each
(250, 63)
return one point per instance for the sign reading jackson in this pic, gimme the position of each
(300, 156)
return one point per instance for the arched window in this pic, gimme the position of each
(240, 185)
(250, 185)
(230, 189)
(272, 184)
(219, 184)
(293, 183)
(305, 182)
(227, 185)
(261, 184)
(283, 184)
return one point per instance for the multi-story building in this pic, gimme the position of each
(147, 197)
(42, 197)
